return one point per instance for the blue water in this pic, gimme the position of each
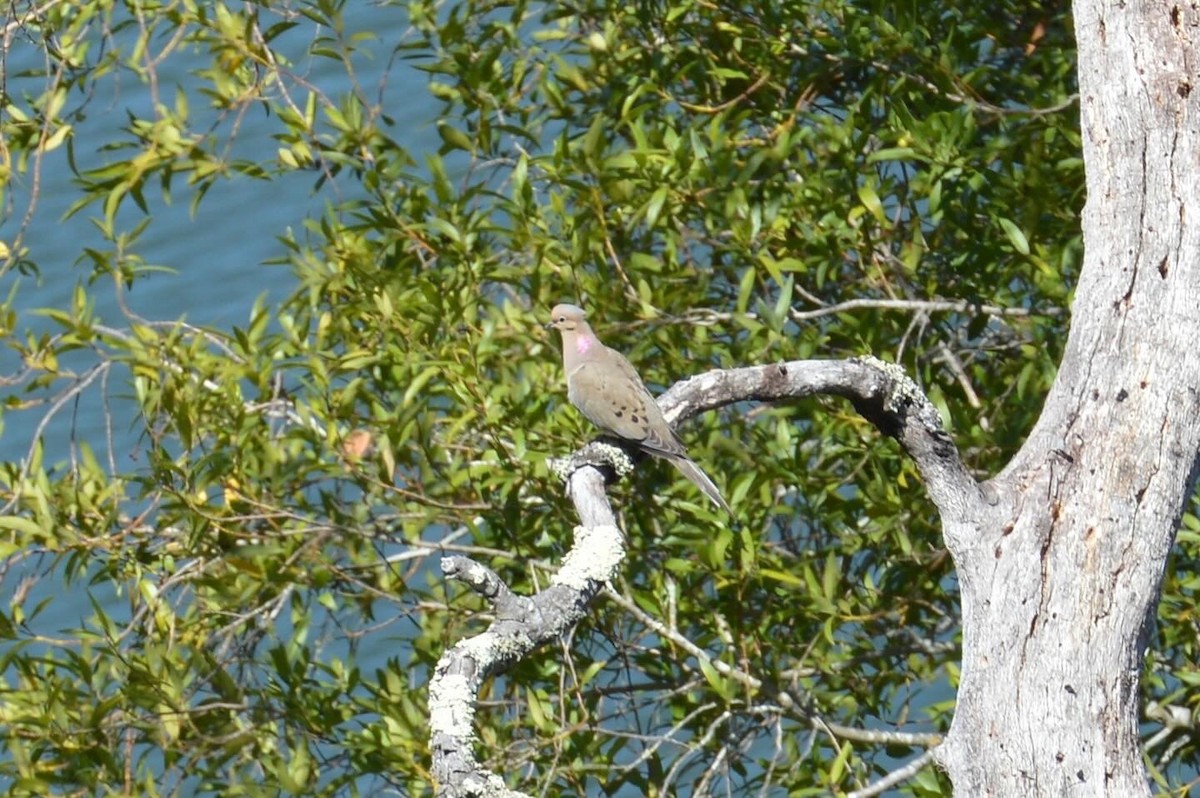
(215, 256)
(218, 251)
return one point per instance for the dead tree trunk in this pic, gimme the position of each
(1060, 558)
(1060, 576)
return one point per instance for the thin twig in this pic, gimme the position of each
(895, 777)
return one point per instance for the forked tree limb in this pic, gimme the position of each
(880, 391)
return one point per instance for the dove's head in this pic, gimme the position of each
(567, 318)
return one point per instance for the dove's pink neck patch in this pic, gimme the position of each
(583, 343)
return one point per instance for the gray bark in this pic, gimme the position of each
(522, 623)
(1060, 557)
(880, 391)
(1060, 580)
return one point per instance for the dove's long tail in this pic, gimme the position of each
(701, 481)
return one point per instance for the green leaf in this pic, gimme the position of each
(719, 683)
(1015, 236)
(454, 139)
(871, 201)
(655, 205)
(25, 526)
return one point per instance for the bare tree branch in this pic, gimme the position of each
(787, 704)
(522, 624)
(918, 306)
(895, 777)
(880, 391)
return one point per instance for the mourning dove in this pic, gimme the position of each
(604, 386)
